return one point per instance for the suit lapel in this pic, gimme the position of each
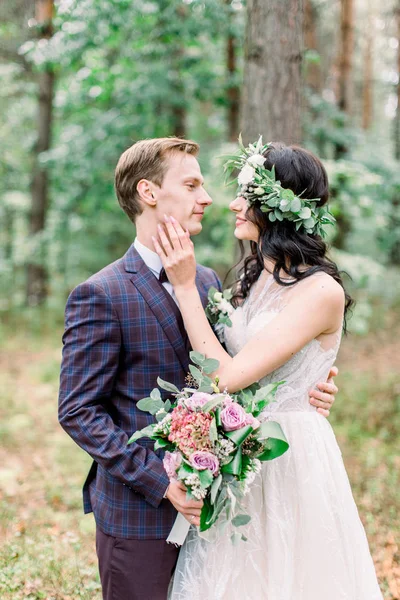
(163, 308)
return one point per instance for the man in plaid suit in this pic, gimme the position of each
(123, 328)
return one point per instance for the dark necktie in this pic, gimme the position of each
(163, 278)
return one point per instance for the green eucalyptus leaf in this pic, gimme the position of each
(210, 365)
(211, 404)
(197, 358)
(145, 432)
(305, 213)
(160, 415)
(196, 373)
(241, 520)
(207, 389)
(165, 385)
(155, 394)
(309, 223)
(150, 405)
(295, 205)
(236, 537)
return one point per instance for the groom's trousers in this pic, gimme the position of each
(134, 569)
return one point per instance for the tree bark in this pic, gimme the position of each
(178, 101)
(313, 68)
(397, 117)
(36, 271)
(346, 55)
(271, 103)
(367, 113)
(233, 91)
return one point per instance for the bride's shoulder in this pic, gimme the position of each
(323, 286)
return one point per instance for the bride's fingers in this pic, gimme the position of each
(172, 234)
(325, 394)
(323, 412)
(168, 247)
(183, 235)
(159, 250)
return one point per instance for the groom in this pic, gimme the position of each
(123, 328)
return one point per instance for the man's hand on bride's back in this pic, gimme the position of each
(190, 509)
(323, 397)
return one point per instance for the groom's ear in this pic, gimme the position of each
(145, 190)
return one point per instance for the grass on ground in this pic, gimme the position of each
(47, 550)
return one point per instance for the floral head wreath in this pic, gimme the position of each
(258, 185)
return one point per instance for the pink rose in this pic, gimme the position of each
(198, 400)
(233, 417)
(201, 460)
(172, 462)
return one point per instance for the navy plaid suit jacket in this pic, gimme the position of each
(122, 331)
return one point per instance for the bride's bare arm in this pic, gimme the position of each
(318, 309)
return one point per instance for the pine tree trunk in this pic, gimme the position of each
(271, 103)
(36, 271)
(345, 64)
(233, 91)
(397, 117)
(346, 55)
(368, 75)
(313, 70)
(178, 102)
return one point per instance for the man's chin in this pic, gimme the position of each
(195, 228)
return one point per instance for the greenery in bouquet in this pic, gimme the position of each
(214, 441)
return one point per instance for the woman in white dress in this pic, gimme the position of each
(305, 538)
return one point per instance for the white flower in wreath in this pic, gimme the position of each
(246, 175)
(256, 160)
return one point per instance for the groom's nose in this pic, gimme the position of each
(205, 199)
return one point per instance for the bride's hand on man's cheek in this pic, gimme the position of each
(176, 251)
(324, 397)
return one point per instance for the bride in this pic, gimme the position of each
(305, 538)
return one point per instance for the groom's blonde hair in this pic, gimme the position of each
(146, 159)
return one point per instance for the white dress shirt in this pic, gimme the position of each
(153, 261)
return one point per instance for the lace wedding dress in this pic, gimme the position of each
(305, 538)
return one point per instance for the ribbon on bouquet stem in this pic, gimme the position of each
(179, 531)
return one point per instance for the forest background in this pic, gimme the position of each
(81, 81)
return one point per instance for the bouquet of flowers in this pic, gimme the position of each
(214, 442)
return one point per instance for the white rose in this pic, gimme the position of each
(217, 296)
(256, 160)
(225, 306)
(246, 175)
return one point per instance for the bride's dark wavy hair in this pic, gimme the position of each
(300, 171)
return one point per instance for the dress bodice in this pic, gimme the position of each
(306, 368)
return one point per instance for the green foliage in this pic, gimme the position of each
(124, 71)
